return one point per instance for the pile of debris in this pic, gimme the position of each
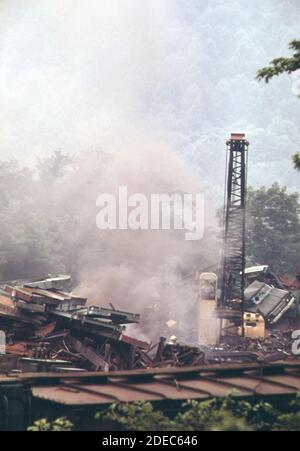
(177, 354)
(49, 329)
(276, 346)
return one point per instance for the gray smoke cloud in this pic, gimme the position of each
(142, 271)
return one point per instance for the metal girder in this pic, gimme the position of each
(233, 277)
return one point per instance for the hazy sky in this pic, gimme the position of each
(77, 74)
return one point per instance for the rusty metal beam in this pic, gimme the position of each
(88, 353)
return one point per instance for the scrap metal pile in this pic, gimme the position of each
(272, 315)
(49, 329)
(275, 346)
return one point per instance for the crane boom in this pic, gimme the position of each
(233, 267)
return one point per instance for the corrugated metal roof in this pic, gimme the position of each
(164, 384)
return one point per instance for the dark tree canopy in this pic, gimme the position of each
(297, 161)
(32, 232)
(274, 228)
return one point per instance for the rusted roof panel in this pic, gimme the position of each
(166, 384)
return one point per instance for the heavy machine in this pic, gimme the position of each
(227, 313)
(250, 298)
(231, 309)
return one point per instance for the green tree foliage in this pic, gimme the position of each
(282, 66)
(274, 228)
(290, 421)
(58, 425)
(214, 415)
(226, 414)
(219, 414)
(137, 416)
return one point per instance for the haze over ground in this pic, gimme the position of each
(76, 75)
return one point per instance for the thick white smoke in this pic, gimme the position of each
(141, 271)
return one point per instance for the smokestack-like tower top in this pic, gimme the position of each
(237, 137)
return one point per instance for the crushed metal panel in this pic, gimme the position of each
(256, 269)
(9, 310)
(134, 342)
(74, 299)
(59, 297)
(257, 292)
(109, 315)
(87, 324)
(51, 282)
(272, 303)
(263, 274)
(24, 294)
(34, 308)
(41, 296)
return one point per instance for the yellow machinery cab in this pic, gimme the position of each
(208, 324)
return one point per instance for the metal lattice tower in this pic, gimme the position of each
(235, 222)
